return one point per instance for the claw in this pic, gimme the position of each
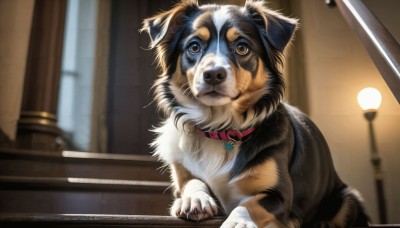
(197, 207)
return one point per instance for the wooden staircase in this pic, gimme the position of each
(79, 189)
(81, 183)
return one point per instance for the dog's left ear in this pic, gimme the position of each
(274, 27)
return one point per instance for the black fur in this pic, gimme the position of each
(309, 191)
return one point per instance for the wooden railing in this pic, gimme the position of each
(382, 47)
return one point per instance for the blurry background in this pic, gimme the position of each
(105, 102)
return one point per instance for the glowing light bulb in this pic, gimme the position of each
(369, 99)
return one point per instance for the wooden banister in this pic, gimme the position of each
(382, 47)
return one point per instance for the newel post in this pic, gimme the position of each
(37, 127)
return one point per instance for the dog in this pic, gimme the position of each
(232, 145)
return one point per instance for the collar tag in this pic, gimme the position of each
(229, 146)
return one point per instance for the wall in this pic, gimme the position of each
(337, 68)
(15, 26)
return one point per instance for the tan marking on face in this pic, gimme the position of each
(198, 22)
(203, 33)
(260, 80)
(259, 178)
(258, 213)
(177, 78)
(190, 73)
(180, 176)
(251, 88)
(232, 34)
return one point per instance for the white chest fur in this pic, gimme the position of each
(212, 164)
(205, 158)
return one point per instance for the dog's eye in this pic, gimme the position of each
(194, 47)
(241, 49)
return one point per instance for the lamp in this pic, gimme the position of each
(369, 100)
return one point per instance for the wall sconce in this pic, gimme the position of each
(369, 100)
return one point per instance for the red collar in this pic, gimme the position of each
(229, 135)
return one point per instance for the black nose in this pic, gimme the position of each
(215, 75)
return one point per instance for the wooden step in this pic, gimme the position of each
(82, 220)
(32, 163)
(83, 196)
(109, 220)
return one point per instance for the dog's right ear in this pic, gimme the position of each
(164, 26)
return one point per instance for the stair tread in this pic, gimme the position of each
(22, 182)
(76, 156)
(104, 220)
(17, 162)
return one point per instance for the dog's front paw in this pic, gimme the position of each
(239, 224)
(198, 206)
(239, 218)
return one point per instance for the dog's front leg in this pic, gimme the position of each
(193, 199)
(252, 214)
(260, 211)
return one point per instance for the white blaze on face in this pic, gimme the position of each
(216, 59)
(220, 17)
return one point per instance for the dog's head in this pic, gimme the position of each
(220, 63)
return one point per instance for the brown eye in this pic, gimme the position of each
(241, 49)
(194, 48)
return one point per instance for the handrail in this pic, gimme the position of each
(382, 47)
